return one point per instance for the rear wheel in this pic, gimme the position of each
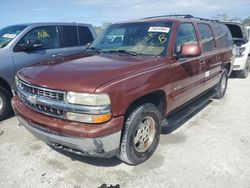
(141, 134)
(5, 104)
(221, 87)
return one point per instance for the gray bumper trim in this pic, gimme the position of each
(103, 147)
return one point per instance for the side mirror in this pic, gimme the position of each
(189, 50)
(31, 44)
(88, 45)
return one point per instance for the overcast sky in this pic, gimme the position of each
(99, 11)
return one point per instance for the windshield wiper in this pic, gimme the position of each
(94, 49)
(123, 51)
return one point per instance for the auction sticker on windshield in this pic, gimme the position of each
(10, 36)
(159, 29)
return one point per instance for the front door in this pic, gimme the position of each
(187, 77)
(50, 49)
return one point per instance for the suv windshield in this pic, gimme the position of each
(134, 38)
(9, 33)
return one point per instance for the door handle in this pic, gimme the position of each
(57, 55)
(202, 62)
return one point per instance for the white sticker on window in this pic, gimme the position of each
(10, 36)
(159, 29)
(207, 73)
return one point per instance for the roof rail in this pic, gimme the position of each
(187, 16)
(206, 19)
(172, 15)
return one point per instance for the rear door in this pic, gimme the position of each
(211, 61)
(70, 39)
(85, 36)
(187, 78)
(51, 48)
(75, 38)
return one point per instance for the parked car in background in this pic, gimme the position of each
(242, 48)
(25, 44)
(116, 100)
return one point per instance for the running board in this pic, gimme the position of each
(174, 121)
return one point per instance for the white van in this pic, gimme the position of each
(241, 39)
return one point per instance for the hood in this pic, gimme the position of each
(85, 74)
(238, 33)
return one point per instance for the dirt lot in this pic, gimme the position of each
(212, 149)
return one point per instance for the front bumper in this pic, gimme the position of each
(84, 139)
(240, 63)
(103, 147)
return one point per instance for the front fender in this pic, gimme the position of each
(125, 91)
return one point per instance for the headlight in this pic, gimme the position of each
(18, 83)
(87, 99)
(239, 51)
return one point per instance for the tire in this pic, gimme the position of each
(244, 73)
(221, 87)
(5, 103)
(137, 131)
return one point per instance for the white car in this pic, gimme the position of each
(240, 35)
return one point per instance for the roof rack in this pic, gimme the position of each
(186, 16)
(172, 15)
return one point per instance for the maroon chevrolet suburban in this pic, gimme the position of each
(119, 95)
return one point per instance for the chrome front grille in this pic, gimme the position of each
(48, 93)
(29, 95)
(42, 108)
(52, 102)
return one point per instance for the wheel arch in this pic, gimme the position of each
(5, 85)
(158, 98)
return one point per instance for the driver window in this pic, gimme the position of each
(185, 35)
(47, 35)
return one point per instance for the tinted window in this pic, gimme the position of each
(70, 38)
(85, 36)
(223, 35)
(47, 35)
(207, 39)
(185, 35)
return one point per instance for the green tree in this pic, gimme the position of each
(247, 21)
(101, 28)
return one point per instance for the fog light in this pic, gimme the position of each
(87, 118)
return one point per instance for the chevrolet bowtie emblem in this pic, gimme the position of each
(32, 99)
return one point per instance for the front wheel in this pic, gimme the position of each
(221, 87)
(5, 105)
(141, 134)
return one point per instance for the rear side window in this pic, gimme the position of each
(47, 35)
(70, 38)
(230, 41)
(223, 35)
(85, 35)
(207, 39)
(185, 35)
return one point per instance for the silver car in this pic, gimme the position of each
(26, 44)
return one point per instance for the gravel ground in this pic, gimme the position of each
(212, 149)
